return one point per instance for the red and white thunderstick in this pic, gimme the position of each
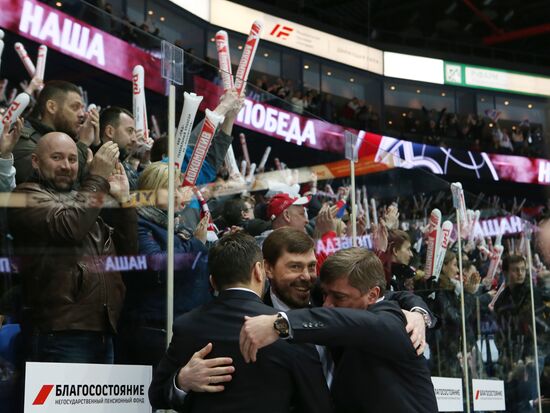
(374, 211)
(248, 56)
(24, 56)
(442, 245)
(41, 61)
(138, 101)
(224, 59)
(212, 230)
(250, 176)
(433, 236)
(261, 166)
(155, 126)
(459, 203)
(15, 110)
(206, 134)
(496, 255)
(244, 147)
(191, 104)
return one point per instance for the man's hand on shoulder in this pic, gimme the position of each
(416, 327)
(205, 375)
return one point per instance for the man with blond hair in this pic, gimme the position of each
(374, 373)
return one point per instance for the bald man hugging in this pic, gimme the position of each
(71, 303)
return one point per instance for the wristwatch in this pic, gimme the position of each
(281, 326)
(425, 315)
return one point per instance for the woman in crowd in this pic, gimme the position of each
(447, 345)
(143, 324)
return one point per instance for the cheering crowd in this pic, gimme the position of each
(84, 187)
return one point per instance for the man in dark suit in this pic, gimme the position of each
(375, 372)
(291, 267)
(287, 376)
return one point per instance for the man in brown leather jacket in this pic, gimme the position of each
(71, 302)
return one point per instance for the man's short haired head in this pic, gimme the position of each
(286, 239)
(233, 211)
(285, 210)
(515, 269)
(60, 106)
(55, 159)
(291, 265)
(353, 278)
(232, 260)
(117, 124)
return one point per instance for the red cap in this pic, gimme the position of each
(282, 201)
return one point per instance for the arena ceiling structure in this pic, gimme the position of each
(511, 30)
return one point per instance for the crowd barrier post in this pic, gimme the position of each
(458, 203)
(172, 71)
(528, 233)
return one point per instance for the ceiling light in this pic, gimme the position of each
(491, 125)
(162, 18)
(306, 67)
(506, 103)
(530, 106)
(390, 122)
(150, 12)
(392, 87)
(212, 39)
(58, 4)
(351, 79)
(240, 47)
(403, 114)
(329, 73)
(266, 54)
(417, 90)
(483, 99)
(443, 94)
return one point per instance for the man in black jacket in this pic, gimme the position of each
(72, 299)
(375, 372)
(290, 264)
(286, 376)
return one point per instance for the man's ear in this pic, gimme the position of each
(286, 215)
(373, 294)
(258, 272)
(212, 283)
(268, 269)
(34, 161)
(51, 107)
(109, 132)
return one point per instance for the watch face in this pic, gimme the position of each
(281, 326)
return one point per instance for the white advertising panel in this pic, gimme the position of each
(508, 81)
(488, 395)
(422, 69)
(296, 36)
(198, 8)
(448, 392)
(98, 388)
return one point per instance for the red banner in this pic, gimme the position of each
(377, 152)
(59, 31)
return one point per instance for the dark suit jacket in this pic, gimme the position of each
(284, 375)
(378, 370)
